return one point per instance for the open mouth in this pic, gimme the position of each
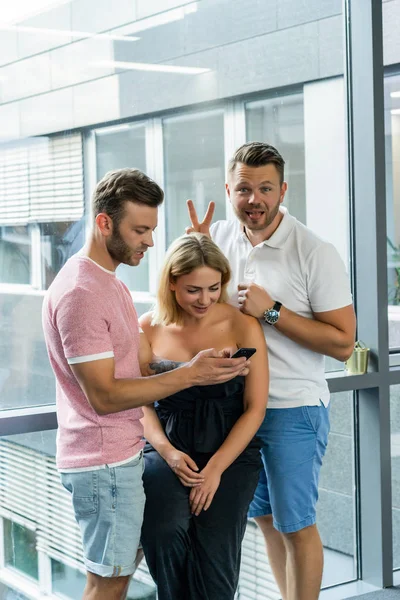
(254, 215)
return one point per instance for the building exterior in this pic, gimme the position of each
(173, 87)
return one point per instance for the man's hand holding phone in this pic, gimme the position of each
(246, 352)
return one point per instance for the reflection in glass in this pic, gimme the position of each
(336, 517)
(26, 378)
(59, 241)
(66, 580)
(20, 548)
(392, 154)
(120, 147)
(7, 593)
(395, 454)
(194, 168)
(15, 255)
(116, 148)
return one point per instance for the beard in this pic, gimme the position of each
(264, 222)
(119, 250)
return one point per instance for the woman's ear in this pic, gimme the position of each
(171, 286)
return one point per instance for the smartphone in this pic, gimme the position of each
(246, 352)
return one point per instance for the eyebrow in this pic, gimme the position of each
(198, 287)
(262, 183)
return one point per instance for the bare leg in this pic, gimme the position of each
(105, 588)
(304, 563)
(276, 552)
(139, 557)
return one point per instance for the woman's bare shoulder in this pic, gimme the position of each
(145, 321)
(236, 314)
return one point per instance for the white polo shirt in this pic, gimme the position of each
(307, 275)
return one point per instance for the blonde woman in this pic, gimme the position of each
(202, 459)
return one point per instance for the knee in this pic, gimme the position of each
(266, 525)
(300, 538)
(162, 533)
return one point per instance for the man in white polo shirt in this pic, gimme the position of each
(296, 284)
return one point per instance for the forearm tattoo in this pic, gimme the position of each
(162, 365)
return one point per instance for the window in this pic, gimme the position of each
(66, 580)
(15, 255)
(7, 593)
(116, 148)
(20, 548)
(280, 122)
(392, 149)
(58, 242)
(395, 452)
(194, 167)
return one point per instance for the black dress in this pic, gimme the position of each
(189, 557)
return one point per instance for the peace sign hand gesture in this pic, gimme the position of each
(204, 226)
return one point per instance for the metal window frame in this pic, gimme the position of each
(366, 142)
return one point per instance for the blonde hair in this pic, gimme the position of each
(186, 254)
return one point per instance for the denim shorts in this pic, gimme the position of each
(294, 443)
(109, 505)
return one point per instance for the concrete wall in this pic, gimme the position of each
(49, 83)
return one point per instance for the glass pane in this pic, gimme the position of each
(26, 378)
(31, 492)
(66, 580)
(15, 255)
(117, 148)
(142, 308)
(280, 121)
(392, 153)
(336, 517)
(395, 453)
(20, 548)
(7, 593)
(59, 241)
(194, 168)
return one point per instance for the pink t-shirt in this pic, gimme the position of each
(88, 314)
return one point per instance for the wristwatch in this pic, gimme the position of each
(271, 315)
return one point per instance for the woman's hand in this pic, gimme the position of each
(202, 495)
(184, 467)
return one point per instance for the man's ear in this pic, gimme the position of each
(228, 191)
(104, 224)
(283, 191)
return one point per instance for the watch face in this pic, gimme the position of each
(272, 316)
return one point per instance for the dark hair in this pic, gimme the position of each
(258, 154)
(125, 185)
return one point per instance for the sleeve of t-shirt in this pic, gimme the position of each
(83, 328)
(327, 281)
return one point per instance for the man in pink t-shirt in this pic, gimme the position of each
(95, 349)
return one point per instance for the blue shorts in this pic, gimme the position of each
(109, 505)
(294, 443)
